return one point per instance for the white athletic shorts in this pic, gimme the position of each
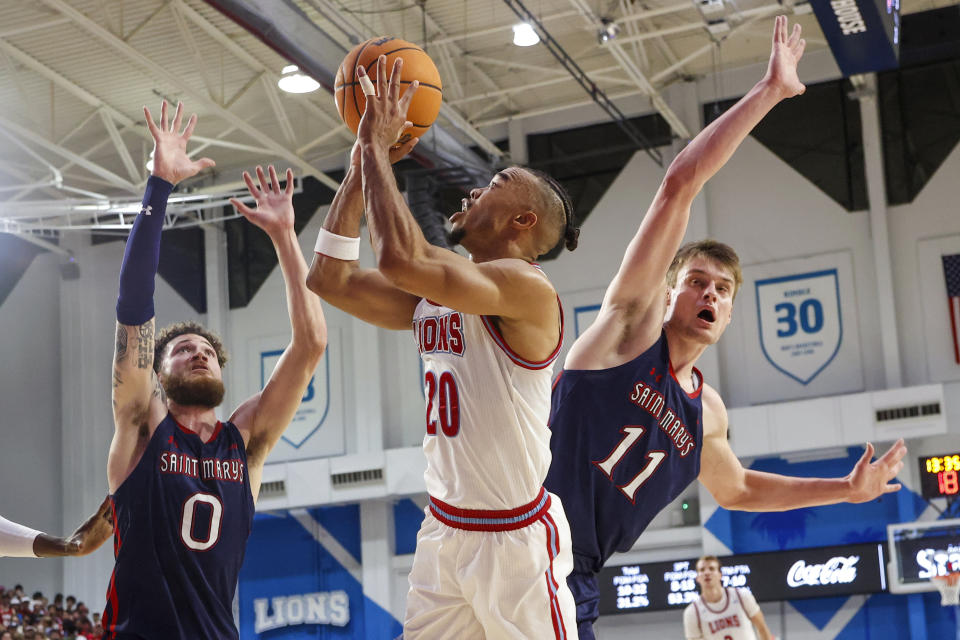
(494, 575)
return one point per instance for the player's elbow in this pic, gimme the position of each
(733, 498)
(327, 276)
(680, 181)
(399, 267)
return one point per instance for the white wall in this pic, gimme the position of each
(30, 417)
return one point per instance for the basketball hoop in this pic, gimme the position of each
(949, 586)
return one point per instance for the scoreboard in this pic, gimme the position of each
(773, 576)
(940, 476)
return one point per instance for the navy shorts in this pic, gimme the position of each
(586, 593)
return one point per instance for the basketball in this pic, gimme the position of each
(417, 65)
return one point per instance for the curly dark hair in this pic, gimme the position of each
(170, 332)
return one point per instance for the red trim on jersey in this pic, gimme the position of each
(109, 617)
(696, 392)
(491, 520)
(213, 436)
(513, 355)
(553, 550)
(726, 595)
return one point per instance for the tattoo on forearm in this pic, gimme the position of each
(121, 352)
(145, 346)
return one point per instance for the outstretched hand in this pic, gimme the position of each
(385, 115)
(870, 480)
(170, 159)
(88, 537)
(784, 57)
(274, 212)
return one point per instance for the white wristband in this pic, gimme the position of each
(339, 247)
(16, 540)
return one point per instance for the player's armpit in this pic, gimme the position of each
(363, 293)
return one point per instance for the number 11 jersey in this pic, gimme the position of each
(626, 442)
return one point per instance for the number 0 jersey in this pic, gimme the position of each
(626, 441)
(487, 442)
(182, 519)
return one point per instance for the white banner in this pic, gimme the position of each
(800, 323)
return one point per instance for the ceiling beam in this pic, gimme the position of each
(194, 50)
(755, 15)
(200, 97)
(504, 28)
(92, 167)
(632, 70)
(122, 151)
(231, 45)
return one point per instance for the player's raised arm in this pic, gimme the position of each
(505, 287)
(137, 402)
(336, 275)
(735, 487)
(635, 298)
(263, 418)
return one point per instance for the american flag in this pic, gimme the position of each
(951, 273)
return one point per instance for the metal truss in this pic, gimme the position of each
(596, 94)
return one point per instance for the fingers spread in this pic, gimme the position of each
(408, 96)
(205, 163)
(381, 74)
(263, 179)
(163, 116)
(177, 118)
(273, 179)
(150, 123)
(191, 123)
(250, 186)
(289, 190)
(394, 87)
(242, 208)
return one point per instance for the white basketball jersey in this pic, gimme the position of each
(487, 443)
(728, 619)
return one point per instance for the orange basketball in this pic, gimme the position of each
(417, 65)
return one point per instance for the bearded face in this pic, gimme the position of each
(191, 374)
(190, 390)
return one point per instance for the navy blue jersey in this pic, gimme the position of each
(625, 442)
(182, 519)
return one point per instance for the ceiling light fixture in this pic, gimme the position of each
(292, 81)
(524, 35)
(608, 30)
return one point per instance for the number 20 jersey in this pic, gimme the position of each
(487, 443)
(626, 442)
(182, 518)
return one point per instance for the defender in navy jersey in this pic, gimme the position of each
(633, 421)
(183, 484)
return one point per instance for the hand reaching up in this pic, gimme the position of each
(170, 159)
(784, 57)
(274, 212)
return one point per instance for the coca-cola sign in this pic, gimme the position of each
(836, 570)
(790, 574)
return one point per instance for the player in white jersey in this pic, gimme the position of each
(722, 613)
(494, 548)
